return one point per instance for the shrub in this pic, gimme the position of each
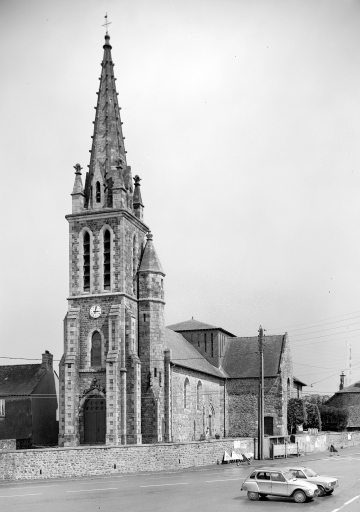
(296, 414)
(313, 416)
(316, 399)
(334, 418)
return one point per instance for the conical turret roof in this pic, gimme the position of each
(150, 261)
(108, 155)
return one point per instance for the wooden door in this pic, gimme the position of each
(95, 420)
(269, 426)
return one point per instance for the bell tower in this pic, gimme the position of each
(100, 371)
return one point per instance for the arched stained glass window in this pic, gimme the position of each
(198, 395)
(96, 349)
(186, 393)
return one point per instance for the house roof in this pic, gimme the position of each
(20, 379)
(195, 325)
(242, 358)
(297, 381)
(353, 388)
(184, 354)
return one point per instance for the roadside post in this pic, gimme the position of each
(261, 398)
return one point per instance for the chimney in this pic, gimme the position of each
(47, 361)
(342, 377)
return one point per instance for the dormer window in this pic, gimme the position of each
(107, 260)
(98, 192)
(86, 262)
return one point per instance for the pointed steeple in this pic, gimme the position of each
(150, 261)
(108, 166)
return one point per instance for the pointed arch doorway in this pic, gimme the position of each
(95, 420)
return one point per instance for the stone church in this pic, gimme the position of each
(124, 377)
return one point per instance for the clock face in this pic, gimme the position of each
(95, 311)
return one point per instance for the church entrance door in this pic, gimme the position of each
(95, 420)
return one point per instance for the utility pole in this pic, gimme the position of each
(261, 397)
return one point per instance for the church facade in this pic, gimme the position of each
(124, 377)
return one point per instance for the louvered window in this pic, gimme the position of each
(107, 260)
(98, 192)
(86, 262)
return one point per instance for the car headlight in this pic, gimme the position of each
(309, 492)
(329, 486)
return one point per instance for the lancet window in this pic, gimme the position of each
(107, 260)
(86, 261)
(96, 349)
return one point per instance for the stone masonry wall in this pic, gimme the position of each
(191, 422)
(82, 461)
(242, 407)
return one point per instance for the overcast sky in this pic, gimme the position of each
(241, 117)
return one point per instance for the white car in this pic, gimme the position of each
(326, 484)
(278, 482)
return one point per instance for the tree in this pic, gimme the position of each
(296, 414)
(316, 399)
(333, 418)
(313, 416)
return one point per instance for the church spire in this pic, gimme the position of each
(108, 166)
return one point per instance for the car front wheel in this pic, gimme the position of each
(253, 496)
(321, 491)
(299, 496)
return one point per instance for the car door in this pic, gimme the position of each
(264, 482)
(279, 485)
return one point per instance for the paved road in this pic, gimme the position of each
(208, 489)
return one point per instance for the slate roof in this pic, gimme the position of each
(194, 325)
(353, 388)
(298, 381)
(242, 359)
(150, 261)
(20, 379)
(184, 354)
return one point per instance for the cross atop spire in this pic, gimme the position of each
(106, 24)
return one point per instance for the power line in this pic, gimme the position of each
(323, 336)
(315, 321)
(320, 325)
(322, 330)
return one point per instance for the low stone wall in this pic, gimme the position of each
(322, 441)
(104, 460)
(7, 444)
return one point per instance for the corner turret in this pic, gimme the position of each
(152, 344)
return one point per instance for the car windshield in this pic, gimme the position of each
(288, 475)
(309, 472)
